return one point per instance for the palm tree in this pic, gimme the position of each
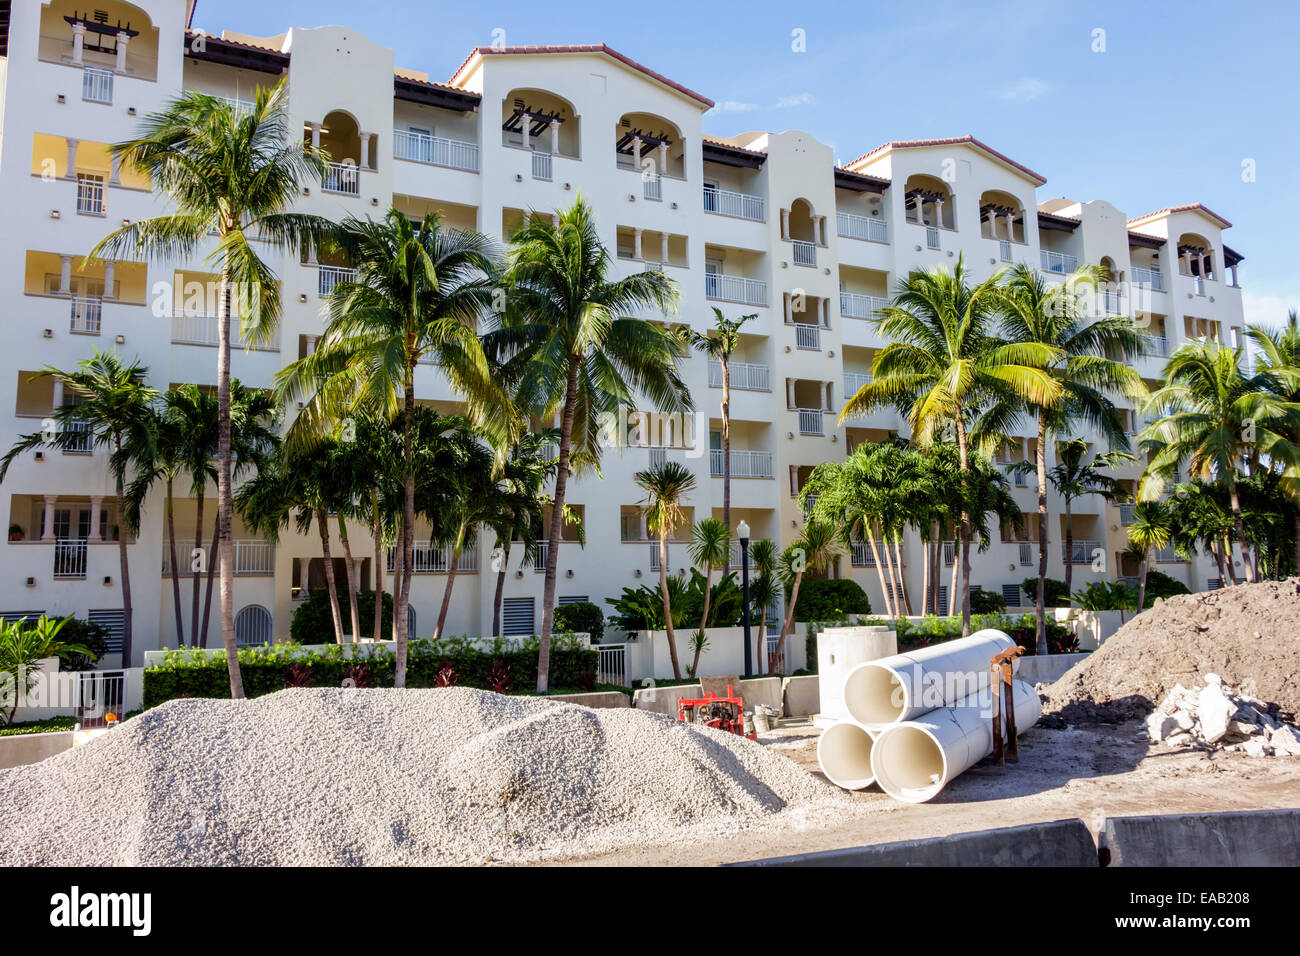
(666, 487)
(1216, 417)
(233, 172)
(1091, 357)
(419, 294)
(944, 361)
(1200, 516)
(477, 499)
(112, 407)
(565, 329)
(1278, 365)
(764, 588)
(814, 550)
(710, 546)
(519, 512)
(1152, 527)
(720, 343)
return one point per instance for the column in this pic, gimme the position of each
(114, 170)
(72, 159)
(312, 341)
(1184, 263)
(315, 135)
(78, 42)
(636, 243)
(817, 230)
(47, 533)
(826, 396)
(65, 275)
(938, 213)
(1233, 269)
(1011, 226)
(663, 158)
(122, 40)
(58, 393)
(110, 267)
(636, 153)
(785, 223)
(96, 505)
(663, 247)
(789, 308)
(311, 253)
(555, 220)
(789, 393)
(365, 150)
(1207, 264)
(555, 135)
(525, 124)
(822, 315)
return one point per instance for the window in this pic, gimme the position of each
(1011, 594)
(90, 194)
(253, 626)
(113, 621)
(517, 617)
(572, 599)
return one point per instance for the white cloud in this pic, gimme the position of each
(734, 106)
(1267, 310)
(799, 99)
(1024, 91)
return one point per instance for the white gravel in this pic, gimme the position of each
(349, 777)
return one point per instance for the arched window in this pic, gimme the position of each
(410, 623)
(253, 626)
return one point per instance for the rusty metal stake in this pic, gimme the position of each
(995, 685)
(1004, 699)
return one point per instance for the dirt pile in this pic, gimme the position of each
(1249, 633)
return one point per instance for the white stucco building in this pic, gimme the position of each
(758, 222)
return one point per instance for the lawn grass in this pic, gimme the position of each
(49, 726)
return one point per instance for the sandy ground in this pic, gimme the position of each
(1087, 772)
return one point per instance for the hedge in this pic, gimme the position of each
(266, 670)
(829, 598)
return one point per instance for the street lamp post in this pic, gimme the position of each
(742, 531)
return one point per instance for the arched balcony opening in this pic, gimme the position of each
(110, 39)
(1002, 217)
(929, 202)
(804, 230)
(650, 144)
(540, 121)
(1196, 257)
(348, 149)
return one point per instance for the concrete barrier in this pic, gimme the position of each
(23, 749)
(663, 700)
(1243, 838)
(1061, 843)
(600, 699)
(800, 695)
(1047, 668)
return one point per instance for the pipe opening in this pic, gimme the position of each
(874, 695)
(844, 752)
(909, 764)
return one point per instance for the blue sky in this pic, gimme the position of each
(1182, 95)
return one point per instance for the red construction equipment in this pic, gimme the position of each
(725, 713)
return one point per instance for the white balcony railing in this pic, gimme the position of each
(850, 226)
(341, 178)
(1004, 250)
(1109, 303)
(1151, 278)
(254, 557)
(735, 289)
(433, 558)
(808, 337)
(1156, 346)
(1126, 514)
(744, 464)
(79, 438)
(97, 85)
(1026, 553)
(241, 107)
(855, 305)
(652, 187)
(862, 555)
(1198, 284)
(1167, 555)
(541, 165)
(330, 276)
(435, 150)
(1079, 551)
(745, 376)
(854, 381)
(70, 558)
(724, 202)
(202, 328)
(805, 252)
(810, 421)
(86, 315)
(932, 237)
(90, 195)
(949, 553)
(1058, 261)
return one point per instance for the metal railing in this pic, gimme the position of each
(543, 552)
(851, 226)
(810, 421)
(254, 557)
(99, 693)
(611, 665)
(1026, 553)
(861, 553)
(203, 328)
(652, 187)
(855, 305)
(86, 315)
(90, 195)
(808, 337)
(744, 463)
(79, 438)
(735, 289)
(932, 237)
(1126, 514)
(1058, 261)
(949, 553)
(1152, 278)
(1110, 303)
(97, 84)
(1167, 555)
(342, 178)
(724, 202)
(541, 165)
(330, 276)
(854, 381)
(745, 376)
(435, 150)
(805, 252)
(1198, 284)
(432, 558)
(1004, 250)
(241, 107)
(69, 558)
(1156, 346)
(1079, 552)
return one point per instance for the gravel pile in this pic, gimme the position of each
(1248, 632)
(1217, 717)
(357, 777)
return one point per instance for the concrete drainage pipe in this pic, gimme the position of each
(844, 752)
(912, 761)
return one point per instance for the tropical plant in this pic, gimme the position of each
(764, 589)
(813, 551)
(234, 172)
(313, 615)
(1106, 596)
(944, 362)
(1054, 592)
(581, 617)
(710, 546)
(22, 647)
(666, 487)
(1278, 367)
(1151, 528)
(520, 512)
(831, 599)
(566, 336)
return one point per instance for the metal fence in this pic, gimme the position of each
(724, 202)
(612, 665)
(100, 693)
(435, 150)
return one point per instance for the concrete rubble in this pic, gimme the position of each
(1217, 717)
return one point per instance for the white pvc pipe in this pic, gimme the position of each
(914, 760)
(893, 689)
(844, 752)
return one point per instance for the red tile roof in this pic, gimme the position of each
(580, 48)
(951, 141)
(722, 142)
(1188, 207)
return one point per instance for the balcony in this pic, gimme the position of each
(97, 85)
(745, 376)
(652, 187)
(86, 315)
(1079, 551)
(1058, 262)
(725, 288)
(542, 165)
(854, 381)
(90, 195)
(1148, 278)
(1156, 346)
(433, 558)
(932, 237)
(810, 421)
(1110, 303)
(1126, 514)
(435, 150)
(744, 464)
(1167, 555)
(724, 202)
(202, 328)
(854, 305)
(805, 252)
(808, 337)
(254, 557)
(70, 559)
(341, 178)
(1026, 553)
(1198, 283)
(861, 553)
(331, 276)
(866, 228)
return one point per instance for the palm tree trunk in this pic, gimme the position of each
(378, 632)
(891, 592)
(352, 579)
(198, 569)
(1040, 602)
(726, 460)
(902, 578)
(704, 617)
(787, 623)
(952, 580)
(936, 547)
(323, 525)
(965, 528)
(761, 656)
(225, 493)
(176, 573)
(1297, 543)
(1224, 576)
(925, 576)
(399, 563)
(880, 572)
(401, 610)
(557, 522)
(499, 596)
(1142, 582)
(1069, 548)
(668, 607)
(211, 576)
(126, 568)
(451, 583)
(1247, 568)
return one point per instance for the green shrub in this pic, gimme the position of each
(268, 669)
(1161, 585)
(642, 608)
(986, 602)
(94, 637)
(581, 617)
(1056, 593)
(1021, 628)
(313, 622)
(830, 600)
